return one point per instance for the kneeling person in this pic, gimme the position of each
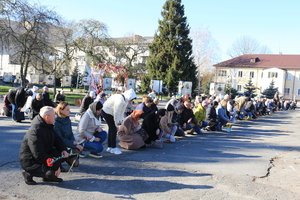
(41, 149)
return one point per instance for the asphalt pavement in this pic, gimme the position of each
(259, 159)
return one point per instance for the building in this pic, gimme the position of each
(284, 70)
(135, 49)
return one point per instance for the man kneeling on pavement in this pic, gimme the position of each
(42, 152)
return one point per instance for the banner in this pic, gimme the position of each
(131, 84)
(66, 81)
(157, 85)
(185, 87)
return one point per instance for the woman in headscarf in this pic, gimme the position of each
(130, 134)
(90, 132)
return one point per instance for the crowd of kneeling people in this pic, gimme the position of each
(51, 141)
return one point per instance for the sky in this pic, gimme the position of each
(273, 23)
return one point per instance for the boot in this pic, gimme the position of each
(28, 178)
(50, 177)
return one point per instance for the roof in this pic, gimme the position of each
(262, 61)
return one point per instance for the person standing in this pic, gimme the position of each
(40, 147)
(113, 112)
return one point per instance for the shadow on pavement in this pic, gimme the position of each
(127, 187)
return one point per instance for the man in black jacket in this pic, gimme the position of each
(42, 152)
(18, 98)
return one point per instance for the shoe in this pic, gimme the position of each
(83, 154)
(28, 178)
(95, 155)
(108, 149)
(172, 138)
(53, 179)
(116, 151)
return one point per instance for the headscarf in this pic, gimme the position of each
(97, 105)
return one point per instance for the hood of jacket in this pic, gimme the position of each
(92, 107)
(129, 94)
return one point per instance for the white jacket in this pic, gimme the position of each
(116, 105)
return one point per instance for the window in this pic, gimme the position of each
(251, 74)
(239, 87)
(240, 74)
(272, 75)
(298, 92)
(262, 75)
(222, 73)
(286, 91)
(289, 76)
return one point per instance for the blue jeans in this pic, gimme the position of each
(14, 111)
(96, 147)
(196, 128)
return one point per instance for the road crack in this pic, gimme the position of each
(9, 162)
(271, 165)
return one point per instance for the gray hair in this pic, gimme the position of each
(46, 110)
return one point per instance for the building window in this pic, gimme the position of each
(239, 87)
(286, 91)
(262, 75)
(289, 76)
(240, 74)
(251, 74)
(222, 73)
(272, 75)
(298, 92)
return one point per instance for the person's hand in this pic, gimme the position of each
(57, 172)
(65, 154)
(79, 147)
(157, 132)
(99, 129)
(97, 139)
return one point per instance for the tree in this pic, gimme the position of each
(271, 90)
(230, 90)
(91, 38)
(170, 56)
(247, 45)
(205, 51)
(249, 89)
(125, 52)
(27, 30)
(206, 79)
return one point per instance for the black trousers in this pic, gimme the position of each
(38, 169)
(112, 129)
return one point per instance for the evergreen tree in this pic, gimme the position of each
(270, 91)
(230, 90)
(170, 56)
(74, 76)
(249, 89)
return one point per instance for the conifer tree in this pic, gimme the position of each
(249, 89)
(270, 91)
(170, 56)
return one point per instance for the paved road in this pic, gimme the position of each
(257, 160)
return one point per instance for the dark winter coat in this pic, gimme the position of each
(39, 143)
(150, 125)
(47, 100)
(18, 97)
(186, 115)
(63, 129)
(36, 107)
